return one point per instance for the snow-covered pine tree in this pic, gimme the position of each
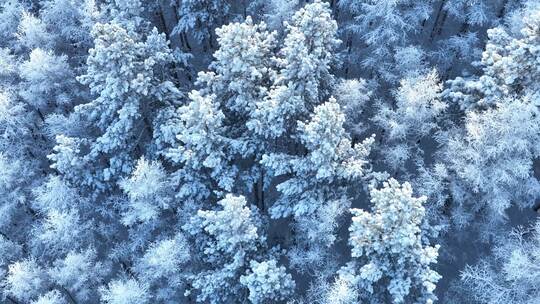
(267, 281)
(304, 79)
(508, 65)
(227, 244)
(318, 189)
(211, 132)
(127, 72)
(391, 256)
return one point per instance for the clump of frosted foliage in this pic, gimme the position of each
(280, 11)
(412, 60)
(341, 292)
(24, 280)
(10, 14)
(164, 258)
(353, 96)
(146, 190)
(51, 297)
(62, 230)
(418, 103)
(47, 78)
(32, 32)
(80, 272)
(414, 116)
(267, 281)
(54, 194)
(472, 12)
(390, 257)
(121, 72)
(124, 292)
(231, 228)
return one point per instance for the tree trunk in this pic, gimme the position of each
(260, 189)
(349, 51)
(437, 18)
(70, 297)
(164, 28)
(502, 10)
(185, 41)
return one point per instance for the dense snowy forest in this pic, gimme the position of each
(257, 151)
